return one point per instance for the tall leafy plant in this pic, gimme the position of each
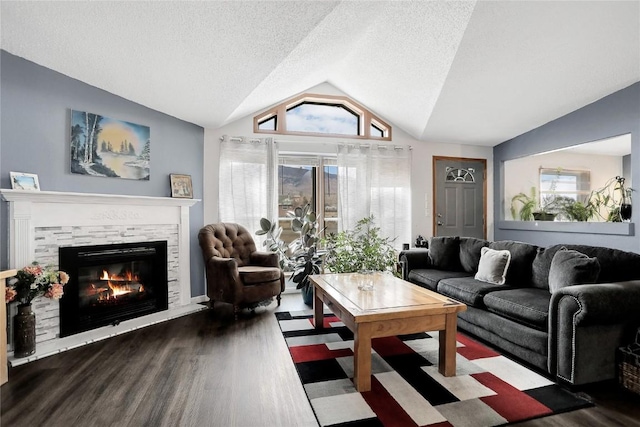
(360, 249)
(273, 242)
(304, 257)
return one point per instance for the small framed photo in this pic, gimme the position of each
(181, 186)
(24, 181)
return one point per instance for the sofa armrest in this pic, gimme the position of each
(602, 303)
(413, 259)
(587, 323)
(265, 259)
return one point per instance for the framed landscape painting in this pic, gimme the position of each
(102, 146)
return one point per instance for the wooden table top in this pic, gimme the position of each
(389, 296)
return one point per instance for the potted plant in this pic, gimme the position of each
(301, 256)
(616, 209)
(360, 249)
(530, 209)
(305, 259)
(273, 242)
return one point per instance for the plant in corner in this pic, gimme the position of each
(304, 259)
(360, 249)
(301, 256)
(273, 241)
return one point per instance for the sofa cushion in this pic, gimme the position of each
(524, 305)
(470, 248)
(522, 256)
(541, 266)
(493, 266)
(615, 265)
(429, 278)
(445, 253)
(570, 267)
(467, 290)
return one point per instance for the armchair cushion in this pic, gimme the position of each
(253, 274)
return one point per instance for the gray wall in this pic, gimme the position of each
(615, 114)
(34, 133)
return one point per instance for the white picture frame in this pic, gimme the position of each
(24, 181)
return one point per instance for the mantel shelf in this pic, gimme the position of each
(611, 228)
(90, 198)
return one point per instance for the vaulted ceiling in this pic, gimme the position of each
(457, 72)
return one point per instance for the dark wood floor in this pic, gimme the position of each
(204, 370)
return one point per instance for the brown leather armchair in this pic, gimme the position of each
(236, 273)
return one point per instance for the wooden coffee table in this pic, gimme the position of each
(393, 307)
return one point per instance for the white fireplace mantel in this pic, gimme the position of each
(91, 198)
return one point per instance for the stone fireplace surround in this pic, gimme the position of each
(42, 221)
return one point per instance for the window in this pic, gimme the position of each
(322, 115)
(269, 123)
(307, 179)
(571, 184)
(322, 118)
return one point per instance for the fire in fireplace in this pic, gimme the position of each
(111, 283)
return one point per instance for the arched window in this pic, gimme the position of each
(322, 115)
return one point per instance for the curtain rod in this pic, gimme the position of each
(364, 144)
(352, 144)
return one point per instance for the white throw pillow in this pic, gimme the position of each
(493, 266)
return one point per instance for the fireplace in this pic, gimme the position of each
(112, 283)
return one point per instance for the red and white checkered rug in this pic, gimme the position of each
(407, 390)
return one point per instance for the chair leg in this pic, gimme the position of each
(278, 298)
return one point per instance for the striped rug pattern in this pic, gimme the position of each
(407, 390)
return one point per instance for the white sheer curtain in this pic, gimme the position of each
(248, 181)
(376, 180)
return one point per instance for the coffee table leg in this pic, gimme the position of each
(362, 357)
(318, 309)
(447, 351)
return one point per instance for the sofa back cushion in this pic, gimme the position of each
(445, 253)
(615, 265)
(522, 256)
(470, 248)
(570, 267)
(541, 266)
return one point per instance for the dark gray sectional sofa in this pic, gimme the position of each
(572, 333)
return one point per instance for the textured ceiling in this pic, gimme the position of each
(461, 72)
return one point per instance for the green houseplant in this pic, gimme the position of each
(360, 249)
(526, 207)
(305, 259)
(301, 256)
(601, 203)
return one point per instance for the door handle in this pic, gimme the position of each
(439, 223)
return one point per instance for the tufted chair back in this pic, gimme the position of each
(227, 240)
